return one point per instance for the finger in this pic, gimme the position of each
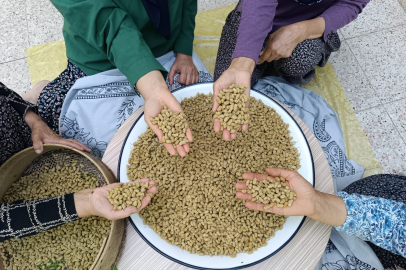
(243, 196)
(181, 150)
(79, 144)
(272, 57)
(70, 143)
(145, 202)
(189, 135)
(143, 180)
(170, 148)
(261, 207)
(251, 176)
(265, 55)
(37, 143)
(111, 186)
(151, 182)
(216, 91)
(217, 125)
(255, 206)
(226, 135)
(128, 211)
(196, 77)
(171, 74)
(241, 185)
(186, 147)
(182, 78)
(234, 135)
(152, 190)
(276, 172)
(245, 127)
(156, 130)
(189, 78)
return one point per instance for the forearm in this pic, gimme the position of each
(243, 63)
(17, 221)
(380, 221)
(83, 203)
(329, 209)
(31, 118)
(311, 29)
(255, 24)
(151, 83)
(341, 13)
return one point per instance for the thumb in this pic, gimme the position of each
(37, 143)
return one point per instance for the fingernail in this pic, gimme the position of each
(38, 151)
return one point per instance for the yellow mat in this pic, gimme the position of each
(47, 61)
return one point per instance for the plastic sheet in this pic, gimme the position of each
(47, 61)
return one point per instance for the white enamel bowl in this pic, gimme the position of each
(242, 260)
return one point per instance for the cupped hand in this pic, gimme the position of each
(305, 203)
(281, 43)
(186, 68)
(41, 134)
(238, 73)
(153, 106)
(99, 205)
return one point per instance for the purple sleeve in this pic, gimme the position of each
(341, 13)
(255, 24)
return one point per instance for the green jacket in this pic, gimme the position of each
(107, 34)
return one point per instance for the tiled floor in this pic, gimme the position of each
(371, 64)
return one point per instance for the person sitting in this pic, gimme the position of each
(287, 38)
(372, 209)
(85, 203)
(102, 35)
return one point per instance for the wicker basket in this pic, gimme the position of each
(22, 163)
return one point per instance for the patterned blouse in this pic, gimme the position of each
(380, 221)
(25, 218)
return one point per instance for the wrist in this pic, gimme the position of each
(31, 118)
(317, 203)
(83, 203)
(329, 209)
(151, 83)
(301, 30)
(310, 29)
(182, 55)
(243, 63)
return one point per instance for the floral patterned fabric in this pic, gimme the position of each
(53, 95)
(15, 135)
(299, 68)
(381, 221)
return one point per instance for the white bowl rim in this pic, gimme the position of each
(203, 268)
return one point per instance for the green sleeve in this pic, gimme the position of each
(184, 42)
(109, 29)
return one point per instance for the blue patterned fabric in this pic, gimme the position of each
(380, 221)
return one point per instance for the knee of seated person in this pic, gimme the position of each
(301, 78)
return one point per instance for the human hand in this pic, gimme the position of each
(281, 43)
(186, 68)
(304, 205)
(155, 92)
(309, 202)
(94, 202)
(238, 73)
(41, 134)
